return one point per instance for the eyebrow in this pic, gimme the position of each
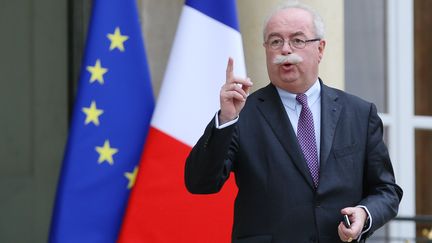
(274, 34)
(298, 33)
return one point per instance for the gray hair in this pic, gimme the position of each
(317, 20)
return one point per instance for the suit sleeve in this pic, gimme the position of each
(381, 193)
(210, 162)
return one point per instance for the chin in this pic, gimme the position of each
(290, 79)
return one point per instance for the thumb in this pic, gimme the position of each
(348, 210)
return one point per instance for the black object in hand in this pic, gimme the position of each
(346, 221)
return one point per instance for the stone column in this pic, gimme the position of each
(332, 68)
(159, 25)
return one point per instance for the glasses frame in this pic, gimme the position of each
(290, 43)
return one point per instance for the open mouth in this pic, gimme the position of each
(287, 66)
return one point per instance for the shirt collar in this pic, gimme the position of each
(289, 99)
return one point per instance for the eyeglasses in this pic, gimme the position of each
(277, 43)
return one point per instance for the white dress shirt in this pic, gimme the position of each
(293, 109)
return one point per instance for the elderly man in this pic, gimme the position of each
(304, 155)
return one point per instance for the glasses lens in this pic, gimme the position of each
(298, 43)
(276, 42)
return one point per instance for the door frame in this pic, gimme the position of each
(401, 120)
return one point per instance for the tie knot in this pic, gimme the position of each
(302, 99)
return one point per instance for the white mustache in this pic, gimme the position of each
(291, 59)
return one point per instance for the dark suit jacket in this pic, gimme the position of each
(276, 200)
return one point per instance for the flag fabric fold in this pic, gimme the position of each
(110, 122)
(160, 208)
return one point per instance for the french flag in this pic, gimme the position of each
(160, 208)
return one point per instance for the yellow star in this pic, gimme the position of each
(106, 153)
(97, 72)
(117, 40)
(92, 114)
(131, 176)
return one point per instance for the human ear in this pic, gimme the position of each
(321, 48)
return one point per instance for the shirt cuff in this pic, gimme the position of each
(367, 227)
(225, 124)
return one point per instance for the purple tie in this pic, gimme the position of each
(306, 138)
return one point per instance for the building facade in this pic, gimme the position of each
(377, 49)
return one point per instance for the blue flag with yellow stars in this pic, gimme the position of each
(109, 126)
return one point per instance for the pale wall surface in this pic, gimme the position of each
(160, 19)
(159, 23)
(252, 15)
(332, 67)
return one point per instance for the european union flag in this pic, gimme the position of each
(110, 122)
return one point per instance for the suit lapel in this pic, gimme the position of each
(330, 111)
(271, 107)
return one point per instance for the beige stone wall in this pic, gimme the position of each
(332, 67)
(160, 19)
(159, 23)
(251, 14)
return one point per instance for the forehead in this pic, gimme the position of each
(290, 21)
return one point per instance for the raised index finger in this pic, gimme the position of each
(230, 70)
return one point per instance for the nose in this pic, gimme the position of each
(286, 48)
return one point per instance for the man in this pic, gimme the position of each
(303, 154)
